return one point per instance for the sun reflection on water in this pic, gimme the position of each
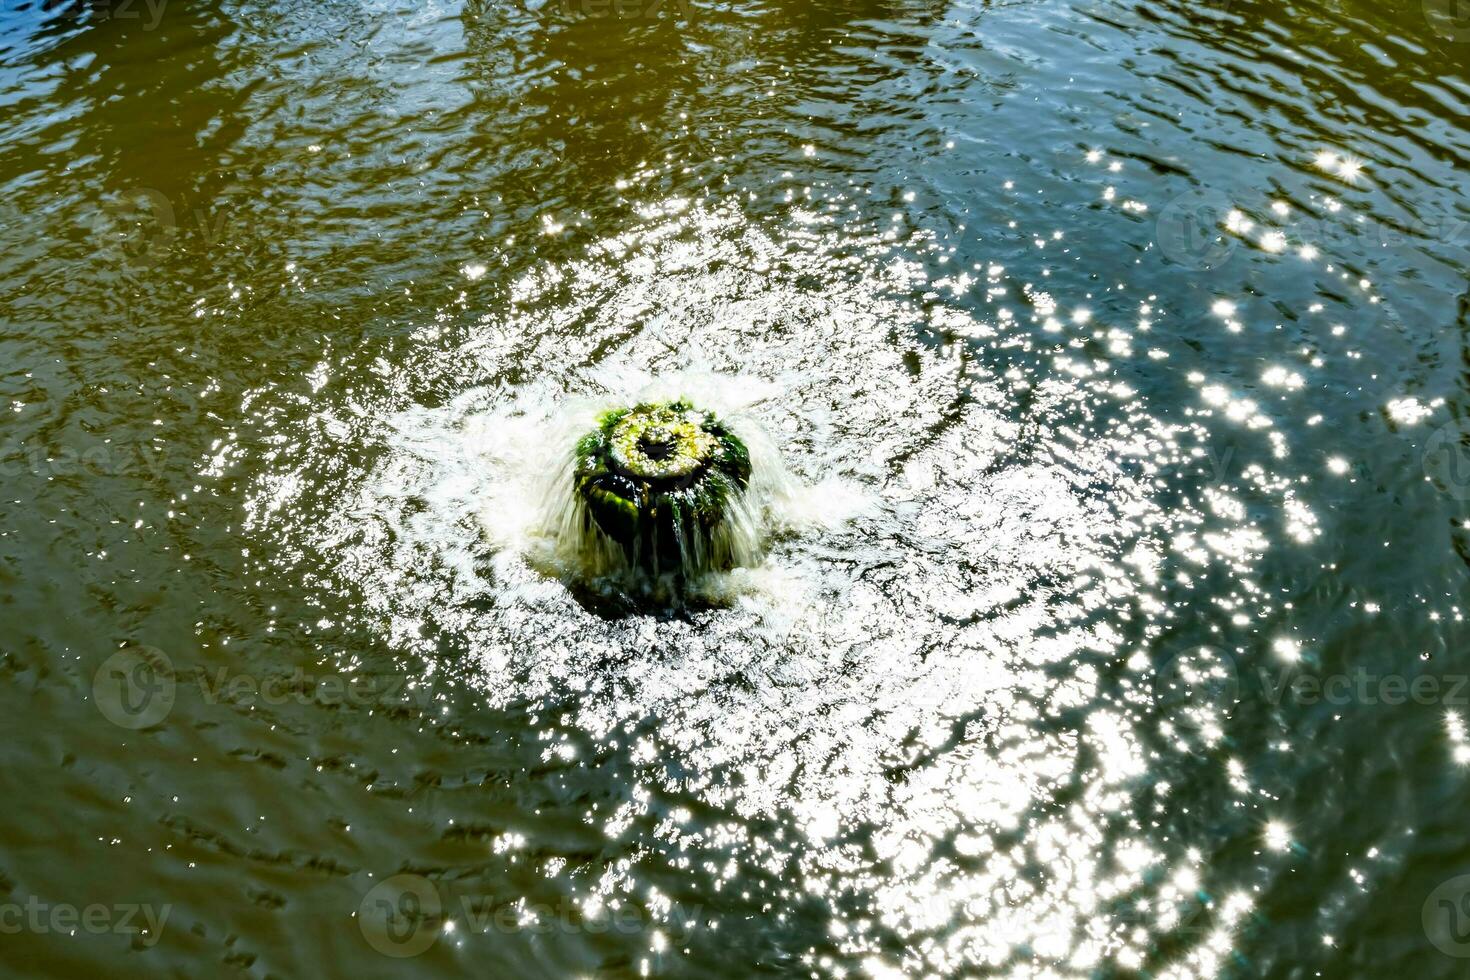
(943, 684)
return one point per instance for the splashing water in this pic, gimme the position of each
(730, 507)
(948, 658)
(1116, 395)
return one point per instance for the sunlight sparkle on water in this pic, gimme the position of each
(1408, 411)
(852, 674)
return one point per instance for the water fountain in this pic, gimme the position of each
(658, 480)
(947, 575)
(659, 494)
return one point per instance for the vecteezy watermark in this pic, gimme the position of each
(625, 9)
(404, 916)
(135, 687)
(1361, 686)
(300, 686)
(141, 225)
(1369, 239)
(1206, 465)
(137, 224)
(146, 12)
(1447, 459)
(1446, 917)
(1191, 230)
(1182, 918)
(138, 686)
(107, 459)
(144, 922)
(1201, 686)
(1200, 229)
(401, 916)
(1450, 19)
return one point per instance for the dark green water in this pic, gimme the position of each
(1119, 349)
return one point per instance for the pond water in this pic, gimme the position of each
(1115, 623)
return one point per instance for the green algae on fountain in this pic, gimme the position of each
(661, 480)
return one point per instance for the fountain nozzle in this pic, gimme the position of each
(659, 479)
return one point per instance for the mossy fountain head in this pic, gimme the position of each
(662, 481)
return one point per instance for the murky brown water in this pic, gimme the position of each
(1115, 622)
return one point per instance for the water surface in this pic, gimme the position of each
(1116, 351)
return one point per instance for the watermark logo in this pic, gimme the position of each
(135, 687)
(139, 224)
(297, 686)
(108, 459)
(1201, 685)
(138, 686)
(621, 9)
(1447, 460)
(399, 916)
(1181, 920)
(1361, 686)
(1208, 467)
(1450, 19)
(1191, 230)
(1446, 917)
(142, 225)
(403, 916)
(147, 13)
(141, 921)
(1201, 230)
